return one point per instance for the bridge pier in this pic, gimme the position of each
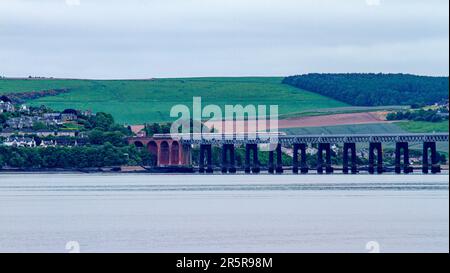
(435, 167)
(375, 146)
(254, 166)
(352, 148)
(205, 150)
(228, 165)
(279, 165)
(303, 166)
(398, 155)
(324, 147)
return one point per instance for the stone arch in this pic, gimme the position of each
(152, 148)
(175, 153)
(139, 144)
(164, 153)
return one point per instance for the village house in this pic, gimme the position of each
(20, 142)
(38, 111)
(67, 133)
(28, 121)
(21, 122)
(70, 142)
(23, 109)
(54, 116)
(6, 107)
(60, 117)
(65, 117)
(48, 143)
(87, 113)
(40, 133)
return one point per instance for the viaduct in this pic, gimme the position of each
(175, 150)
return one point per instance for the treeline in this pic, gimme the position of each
(419, 115)
(72, 157)
(375, 89)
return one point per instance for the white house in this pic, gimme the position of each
(20, 142)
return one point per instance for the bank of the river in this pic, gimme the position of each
(178, 170)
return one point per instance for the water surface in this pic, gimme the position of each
(191, 213)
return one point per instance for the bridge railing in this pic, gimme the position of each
(265, 138)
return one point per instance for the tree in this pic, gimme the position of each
(39, 126)
(3, 119)
(442, 158)
(115, 138)
(96, 137)
(375, 89)
(16, 160)
(391, 116)
(32, 158)
(102, 121)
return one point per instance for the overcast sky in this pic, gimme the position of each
(178, 38)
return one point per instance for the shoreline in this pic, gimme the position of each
(444, 171)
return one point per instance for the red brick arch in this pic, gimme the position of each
(152, 148)
(175, 153)
(167, 151)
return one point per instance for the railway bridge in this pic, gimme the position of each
(175, 150)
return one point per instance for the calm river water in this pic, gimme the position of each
(162, 213)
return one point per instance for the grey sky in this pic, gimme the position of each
(177, 38)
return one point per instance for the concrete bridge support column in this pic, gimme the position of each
(247, 159)
(352, 148)
(435, 167)
(295, 164)
(271, 162)
(232, 166)
(253, 166)
(228, 165)
(379, 166)
(398, 155)
(209, 163)
(278, 168)
(224, 162)
(303, 166)
(205, 150)
(256, 168)
(324, 147)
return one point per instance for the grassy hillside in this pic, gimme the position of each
(139, 101)
(28, 85)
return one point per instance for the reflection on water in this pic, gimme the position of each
(149, 213)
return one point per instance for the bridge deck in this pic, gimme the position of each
(267, 138)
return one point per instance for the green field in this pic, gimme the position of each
(140, 101)
(27, 85)
(424, 127)
(378, 128)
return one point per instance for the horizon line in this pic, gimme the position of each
(206, 77)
